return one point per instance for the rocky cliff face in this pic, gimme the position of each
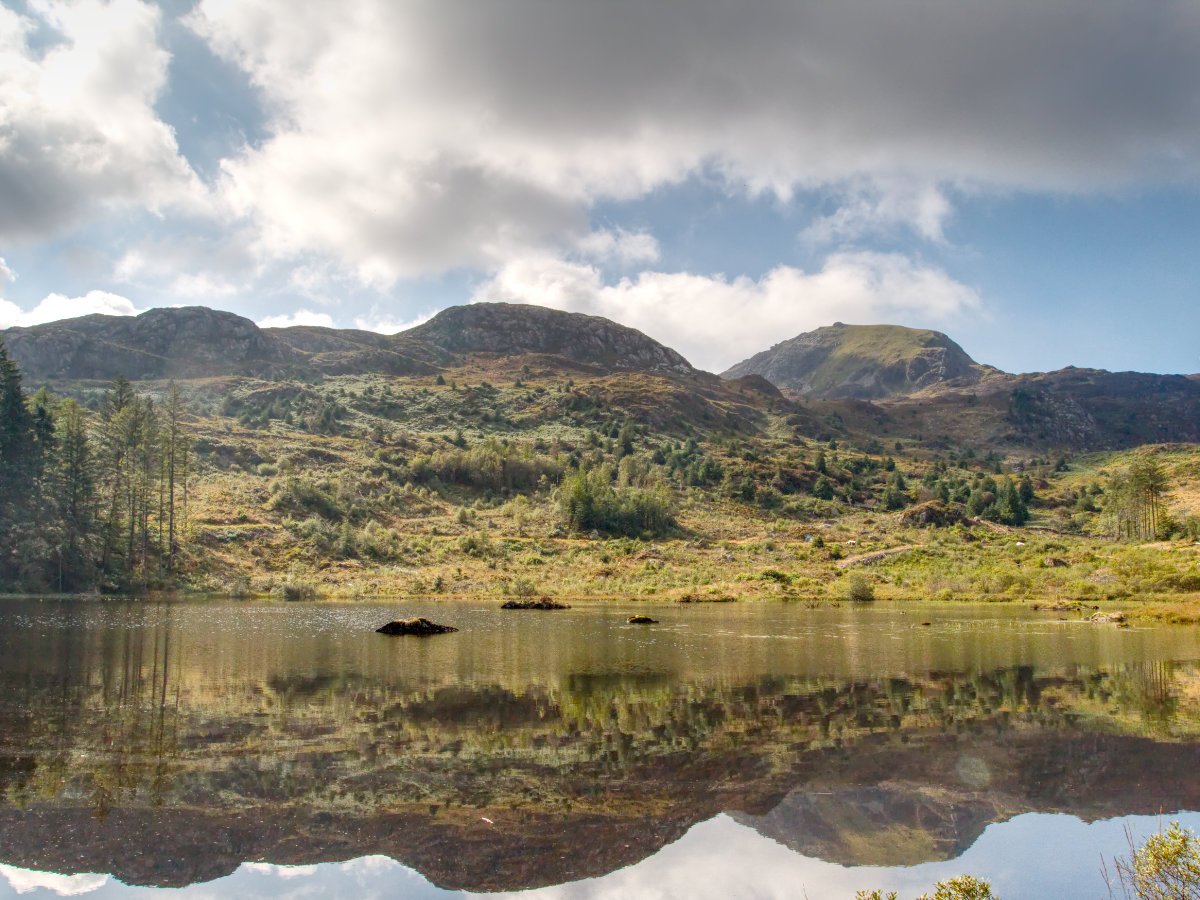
(865, 362)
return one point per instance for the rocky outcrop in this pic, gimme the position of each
(543, 603)
(419, 627)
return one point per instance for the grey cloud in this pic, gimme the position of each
(420, 136)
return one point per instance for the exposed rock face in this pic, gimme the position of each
(862, 362)
(510, 329)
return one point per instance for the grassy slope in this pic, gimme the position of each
(455, 540)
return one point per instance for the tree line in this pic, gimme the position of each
(90, 501)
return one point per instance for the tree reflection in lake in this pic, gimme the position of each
(170, 743)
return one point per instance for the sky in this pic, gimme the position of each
(1024, 176)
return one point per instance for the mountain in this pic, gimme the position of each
(510, 329)
(864, 362)
(186, 342)
(887, 381)
(196, 342)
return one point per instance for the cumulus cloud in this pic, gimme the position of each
(715, 321)
(626, 248)
(26, 881)
(416, 137)
(56, 306)
(299, 317)
(874, 207)
(7, 275)
(389, 324)
(78, 130)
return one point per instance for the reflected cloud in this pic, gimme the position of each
(26, 881)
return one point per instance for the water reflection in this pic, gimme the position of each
(169, 744)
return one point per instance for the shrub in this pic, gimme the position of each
(476, 544)
(859, 589)
(297, 590)
(1165, 867)
(299, 495)
(962, 887)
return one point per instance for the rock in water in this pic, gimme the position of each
(642, 620)
(544, 603)
(419, 626)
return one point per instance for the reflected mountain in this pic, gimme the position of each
(168, 744)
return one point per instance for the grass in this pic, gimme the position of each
(415, 487)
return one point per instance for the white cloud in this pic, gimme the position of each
(715, 321)
(387, 324)
(26, 881)
(299, 317)
(78, 130)
(7, 275)
(620, 246)
(56, 306)
(874, 207)
(419, 137)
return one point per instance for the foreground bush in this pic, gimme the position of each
(1165, 867)
(961, 887)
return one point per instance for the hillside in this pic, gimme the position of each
(196, 342)
(863, 362)
(508, 449)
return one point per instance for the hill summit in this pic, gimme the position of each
(864, 362)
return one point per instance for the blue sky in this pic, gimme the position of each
(722, 176)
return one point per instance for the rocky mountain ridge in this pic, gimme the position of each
(197, 342)
(877, 382)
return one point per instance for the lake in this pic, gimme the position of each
(254, 749)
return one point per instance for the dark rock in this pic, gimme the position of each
(420, 626)
(1053, 562)
(543, 603)
(642, 620)
(692, 598)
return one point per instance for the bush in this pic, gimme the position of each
(301, 496)
(962, 887)
(859, 589)
(293, 590)
(1165, 867)
(476, 544)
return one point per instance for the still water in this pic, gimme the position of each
(223, 749)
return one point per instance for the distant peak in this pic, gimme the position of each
(862, 362)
